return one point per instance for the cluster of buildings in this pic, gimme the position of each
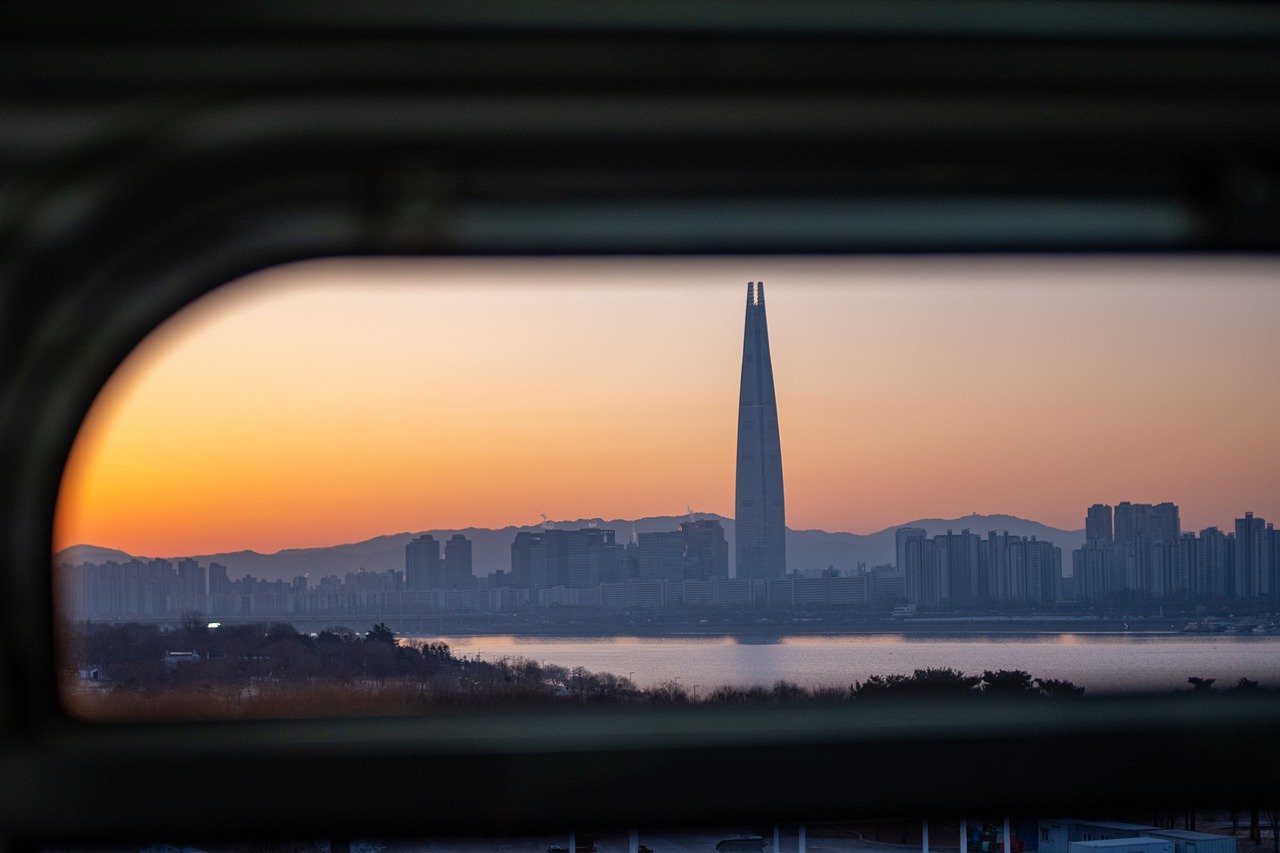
(161, 589)
(581, 559)
(586, 567)
(425, 568)
(125, 591)
(574, 559)
(147, 589)
(1133, 549)
(1141, 549)
(965, 569)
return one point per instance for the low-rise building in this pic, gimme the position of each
(1141, 844)
(1190, 841)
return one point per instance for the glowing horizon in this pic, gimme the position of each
(333, 401)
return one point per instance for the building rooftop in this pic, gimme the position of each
(1184, 834)
(1121, 842)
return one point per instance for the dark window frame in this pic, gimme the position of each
(135, 181)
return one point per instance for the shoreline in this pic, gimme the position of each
(921, 628)
(887, 631)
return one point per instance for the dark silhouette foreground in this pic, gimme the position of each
(129, 672)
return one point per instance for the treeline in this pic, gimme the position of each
(274, 669)
(137, 655)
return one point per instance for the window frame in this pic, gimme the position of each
(137, 191)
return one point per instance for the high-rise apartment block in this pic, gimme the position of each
(901, 536)
(1135, 523)
(1254, 569)
(422, 564)
(425, 569)
(696, 551)
(1213, 565)
(569, 558)
(925, 573)
(1150, 557)
(957, 569)
(661, 555)
(1098, 527)
(191, 578)
(457, 563)
(219, 583)
(706, 551)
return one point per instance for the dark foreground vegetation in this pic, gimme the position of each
(195, 671)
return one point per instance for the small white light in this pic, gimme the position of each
(214, 625)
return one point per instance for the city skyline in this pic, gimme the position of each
(626, 527)
(1134, 552)
(334, 401)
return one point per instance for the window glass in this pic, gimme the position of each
(396, 486)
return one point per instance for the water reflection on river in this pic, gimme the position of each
(1099, 662)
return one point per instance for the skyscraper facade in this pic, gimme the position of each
(569, 558)
(759, 509)
(219, 584)
(1098, 528)
(661, 555)
(965, 582)
(1152, 558)
(1253, 557)
(457, 562)
(1213, 570)
(190, 576)
(1145, 532)
(706, 552)
(925, 569)
(901, 536)
(1138, 523)
(422, 563)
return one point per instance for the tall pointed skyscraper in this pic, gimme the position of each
(759, 510)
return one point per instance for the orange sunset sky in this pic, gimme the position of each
(331, 401)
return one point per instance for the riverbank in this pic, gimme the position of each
(746, 627)
(1102, 661)
(924, 628)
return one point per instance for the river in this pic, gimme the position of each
(1098, 662)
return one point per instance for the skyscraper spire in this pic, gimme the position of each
(759, 508)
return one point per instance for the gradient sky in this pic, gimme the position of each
(331, 401)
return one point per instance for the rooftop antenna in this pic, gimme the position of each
(689, 510)
(546, 522)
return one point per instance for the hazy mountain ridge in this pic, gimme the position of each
(491, 548)
(77, 554)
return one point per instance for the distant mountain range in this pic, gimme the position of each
(491, 549)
